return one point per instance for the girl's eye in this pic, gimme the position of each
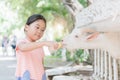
(37, 27)
(42, 30)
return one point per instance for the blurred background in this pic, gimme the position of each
(13, 16)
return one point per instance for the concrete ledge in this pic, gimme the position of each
(72, 78)
(64, 70)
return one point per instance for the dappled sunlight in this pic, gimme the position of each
(60, 28)
(41, 3)
(7, 17)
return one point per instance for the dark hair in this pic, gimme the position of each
(34, 18)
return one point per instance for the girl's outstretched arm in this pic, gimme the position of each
(33, 45)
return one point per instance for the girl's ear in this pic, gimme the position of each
(26, 28)
(92, 36)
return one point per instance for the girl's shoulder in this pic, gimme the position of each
(23, 40)
(20, 41)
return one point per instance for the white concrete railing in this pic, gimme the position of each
(105, 67)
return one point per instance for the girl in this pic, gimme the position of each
(29, 51)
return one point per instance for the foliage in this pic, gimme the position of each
(58, 39)
(51, 9)
(68, 55)
(57, 53)
(84, 2)
(78, 57)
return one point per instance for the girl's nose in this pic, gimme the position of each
(39, 31)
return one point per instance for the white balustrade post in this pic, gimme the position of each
(98, 62)
(110, 68)
(105, 63)
(102, 65)
(115, 69)
(64, 54)
(95, 62)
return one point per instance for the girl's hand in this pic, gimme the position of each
(58, 45)
(53, 45)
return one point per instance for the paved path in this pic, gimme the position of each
(7, 68)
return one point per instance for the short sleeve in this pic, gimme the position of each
(20, 42)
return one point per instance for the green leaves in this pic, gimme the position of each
(22, 9)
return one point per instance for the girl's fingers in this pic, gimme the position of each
(59, 45)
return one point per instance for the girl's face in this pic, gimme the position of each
(35, 30)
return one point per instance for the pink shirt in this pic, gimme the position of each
(31, 61)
